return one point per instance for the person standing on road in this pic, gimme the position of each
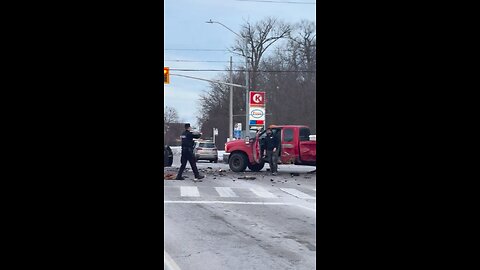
(271, 147)
(187, 153)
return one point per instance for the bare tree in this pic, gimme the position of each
(259, 37)
(304, 40)
(291, 92)
(170, 116)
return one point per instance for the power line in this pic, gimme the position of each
(206, 50)
(278, 2)
(220, 50)
(200, 61)
(239, 70)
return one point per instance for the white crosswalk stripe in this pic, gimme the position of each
(225, 192)
(260, 192)
(189, 192)
(237, 192)
(297, 193)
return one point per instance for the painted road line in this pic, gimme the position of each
(260, 192)
(226, 202)
(189, 192)
(241, 203)
(169, 262)
(305, 207)
(296, 193)
(225, 192)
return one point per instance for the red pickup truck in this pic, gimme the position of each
(295, 148)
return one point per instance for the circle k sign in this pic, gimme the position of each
(257, 98)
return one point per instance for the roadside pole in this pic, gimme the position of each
(201, 79)
(231, 101)
(247, 95)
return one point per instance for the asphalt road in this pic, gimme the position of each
(229, 223)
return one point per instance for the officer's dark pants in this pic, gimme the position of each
(187, 155)
(272, 158)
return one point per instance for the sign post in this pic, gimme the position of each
(215, 133)
(257, 110)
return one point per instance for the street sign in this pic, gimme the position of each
(237, 131)
(257, 116)
(257, 99)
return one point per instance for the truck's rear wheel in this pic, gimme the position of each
(256, 167)
(237, 162)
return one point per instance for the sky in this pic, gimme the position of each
(185, 28)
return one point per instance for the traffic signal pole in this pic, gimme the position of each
(201, 79)
(231, 95)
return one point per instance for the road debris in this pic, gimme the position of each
(169, 176)
(247, 177)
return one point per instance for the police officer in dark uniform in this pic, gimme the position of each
(271, 150)
(187, 153)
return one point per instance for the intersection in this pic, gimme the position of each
(229, 223)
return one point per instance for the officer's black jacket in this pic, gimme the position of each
(187, 139)
(271, 142)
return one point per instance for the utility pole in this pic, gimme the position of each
(247, 101)
(231, 101)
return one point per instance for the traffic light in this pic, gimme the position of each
(166, 75)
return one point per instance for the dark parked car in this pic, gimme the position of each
(167, 156)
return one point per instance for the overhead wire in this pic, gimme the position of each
(220, 50)
(278, 2)
(238, 70)
(206, 50)
(201, 61)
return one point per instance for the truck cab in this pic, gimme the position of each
(295, 148)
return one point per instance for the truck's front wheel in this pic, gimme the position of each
(256, 167)
(237, 162)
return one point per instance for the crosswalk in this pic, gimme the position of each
(189, 192)
(226, 192)
(231, 192)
